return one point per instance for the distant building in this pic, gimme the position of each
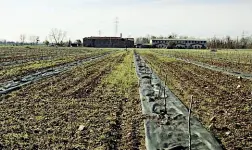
(143, 46)
(111, 42)
(74, 45)
(179, 43)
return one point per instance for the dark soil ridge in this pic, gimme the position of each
(16, 62)
(28, 72)
(167, 127)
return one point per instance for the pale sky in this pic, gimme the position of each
(80, 18)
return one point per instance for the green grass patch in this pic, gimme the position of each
(123, 77)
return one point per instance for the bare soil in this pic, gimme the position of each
(75, 110)
(221, 102)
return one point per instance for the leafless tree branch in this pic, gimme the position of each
(22, 38)
(57, 35)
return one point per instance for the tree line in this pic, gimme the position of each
(245, 42)
(56, 37)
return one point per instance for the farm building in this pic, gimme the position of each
(143, 46)
(102, 42)
(179, 43)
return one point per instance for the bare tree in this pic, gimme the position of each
(78, 42)
(173, 36)
(46, 42)
(22, 38)
(3, 41)
(160, 37)
(183, 37)
(34, 39)
(57, 35)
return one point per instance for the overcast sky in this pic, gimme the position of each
(80, 18)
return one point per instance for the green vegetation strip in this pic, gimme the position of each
(122, 83)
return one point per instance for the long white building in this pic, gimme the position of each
(179, 43)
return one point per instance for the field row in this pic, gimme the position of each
(93, 106)
(221, 102)
(238, 61)
(26, 54)
(167, 124)
(14, 72)
(96, 105)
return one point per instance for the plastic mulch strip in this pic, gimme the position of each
(166, 126)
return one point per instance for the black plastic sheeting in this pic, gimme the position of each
(167, 125)
(12, 85)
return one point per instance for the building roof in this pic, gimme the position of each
(104, 38)
(179, 39)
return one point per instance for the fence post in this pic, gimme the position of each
(189, 123)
